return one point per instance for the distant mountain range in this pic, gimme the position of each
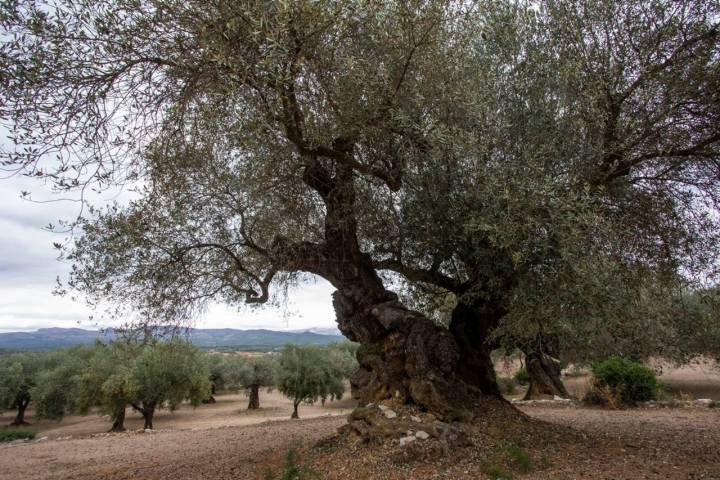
(220, 338)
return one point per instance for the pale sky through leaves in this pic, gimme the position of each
(29, 267)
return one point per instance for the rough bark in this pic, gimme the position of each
(295, 409)
(544, 373)
(22, 405)
(254, 403)
(118, 420)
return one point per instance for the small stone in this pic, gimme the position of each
(389, 413)
(405, 440)
(148, 430)
(369, 405)
(41, 439)
(704, 401)
(382, 407)
(422, 435)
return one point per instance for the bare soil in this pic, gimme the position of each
(223, 441)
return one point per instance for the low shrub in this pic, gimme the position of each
(8, 434)
(508, 385)
(292, 470)
(496, 472)
(520, 459)
(714, 404)
(522, 377)
(617, 380)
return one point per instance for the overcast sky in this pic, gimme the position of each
(29, 267)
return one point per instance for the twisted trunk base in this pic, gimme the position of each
(407, 360)
(544, 373)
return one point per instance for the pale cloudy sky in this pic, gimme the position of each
(29, 267)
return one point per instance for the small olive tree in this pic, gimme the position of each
(57, 386)
(18, 376)
(105, 382)
(306, 374)
(166, 374)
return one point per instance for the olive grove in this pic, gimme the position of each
(552, 165)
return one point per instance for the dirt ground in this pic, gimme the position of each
(223, 441)
(229, 411)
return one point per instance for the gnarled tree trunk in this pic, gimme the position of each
(544, 373)
(403, 355)
(295, 409)
(254, 397)
(22, 405)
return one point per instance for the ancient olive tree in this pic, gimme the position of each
(307, 374)
(592, 210)
(510, 154)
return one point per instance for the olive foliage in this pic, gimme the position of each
(551, 166)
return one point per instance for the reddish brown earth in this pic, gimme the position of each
(222, 441)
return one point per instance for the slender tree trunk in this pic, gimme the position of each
(148, 412)
(295, 409)
(20, 416)
(118, 420)
(544, 373)
(254, 403)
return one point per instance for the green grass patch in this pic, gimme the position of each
(520, 459)
(293, 470)
(8, 434)
(495, 472)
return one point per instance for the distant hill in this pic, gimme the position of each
(220, 338)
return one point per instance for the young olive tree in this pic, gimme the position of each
(164, 374)
(105, 382)
(260, 373)
(306, 374)
(508, 153)
(56, 390)
(18, 376)
(238, 373)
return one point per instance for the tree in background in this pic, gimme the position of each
(260, 373)
(18, 376)
(215, 363)
(307, 374)
(164, 374)
(105, 381)
(234, 372)
(57, 386)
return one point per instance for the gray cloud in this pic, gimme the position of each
(29, 267)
